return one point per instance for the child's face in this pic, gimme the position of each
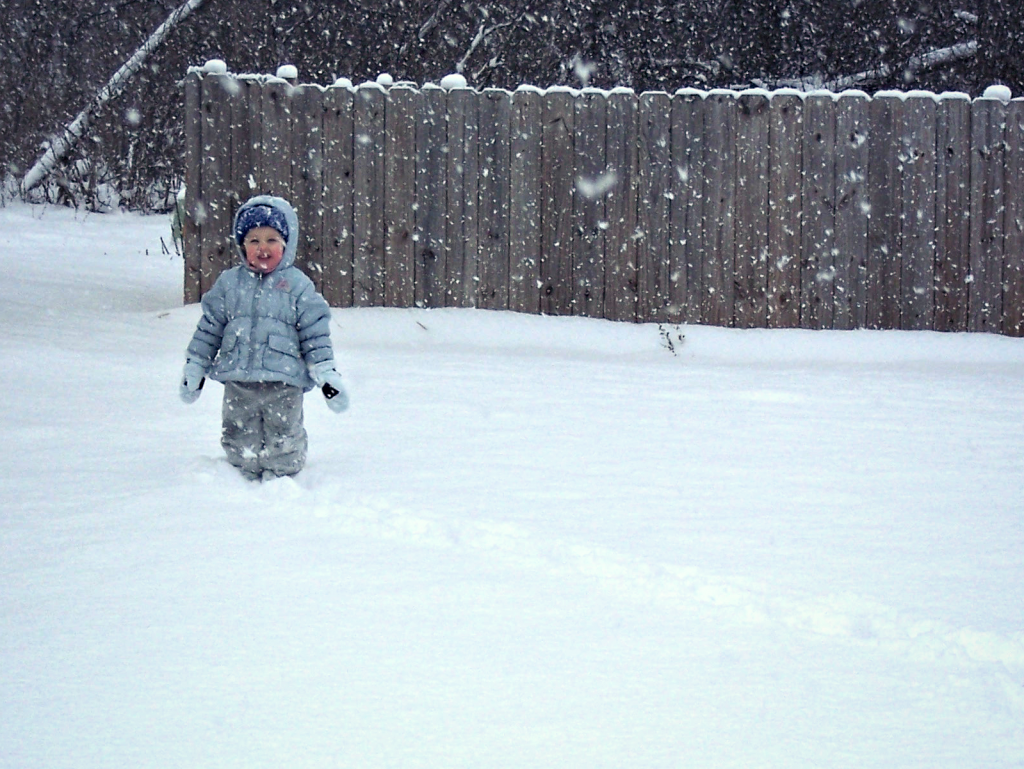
(264, 248)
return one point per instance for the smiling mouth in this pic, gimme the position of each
(261, 262)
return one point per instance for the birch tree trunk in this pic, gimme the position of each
(74, 131)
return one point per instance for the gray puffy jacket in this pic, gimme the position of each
(264, 328)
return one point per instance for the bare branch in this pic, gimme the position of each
(481, 35)
(429, 24)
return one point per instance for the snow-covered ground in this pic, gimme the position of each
(531, 542)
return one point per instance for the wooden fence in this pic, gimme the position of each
(746, 209)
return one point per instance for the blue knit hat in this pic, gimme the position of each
(260, 216)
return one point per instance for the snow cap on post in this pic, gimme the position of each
(288, 72)
(1000, 92)
(453, 81)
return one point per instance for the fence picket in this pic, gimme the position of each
(917, 283)
(431, 215)
(249, 175)
(717, 307)
(461, 190)
(216, 216)
(525, 217)
(194, 211)
(494, 196)
(368, 222)
(246, 138)
(1013, 237)
(985, 300)
(688, 200)
(654, 267)
(400, 200)
(621, 207)
(851, 214)
(337, 227)
(817, 267)
(558, 188)
(953, 211)
(884, 185)
(307, 182)
(751, 218)
(276, 146)
(588, 267)
(784, 210)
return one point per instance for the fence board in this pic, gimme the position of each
(1013, 234)
(953, 209)
(751, 217)
(687, 245)
(494, 195)
(558, 189)
(817, 267)
(851, 239)
(525, 216)
(276, 148)
(215, 228)
(338, 196)
(461, 189)
(369, 191)
(249, 157)
(885, 185)
(654, 267)
(307, 182)
(784, 219)
(917, 282)
(431, 240)
(620, 295)
(190, 225)
(589, 205)
(717, 307)
(985, 300)
(245, 142)
(401, 109)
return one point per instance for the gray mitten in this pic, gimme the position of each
(192, 380)
(329, 381)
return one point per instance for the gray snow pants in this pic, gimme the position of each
(262, 428)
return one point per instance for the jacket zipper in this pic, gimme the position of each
(256, 294)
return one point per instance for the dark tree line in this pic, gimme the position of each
(55, 54)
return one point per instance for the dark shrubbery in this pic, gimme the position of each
(55, 54)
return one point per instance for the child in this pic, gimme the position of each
(265, 334)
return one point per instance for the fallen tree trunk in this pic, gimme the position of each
(74, 131)
(925, 61)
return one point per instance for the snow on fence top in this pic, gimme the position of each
(745, 208)
(453, 81)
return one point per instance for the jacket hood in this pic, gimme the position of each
(282, 205)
